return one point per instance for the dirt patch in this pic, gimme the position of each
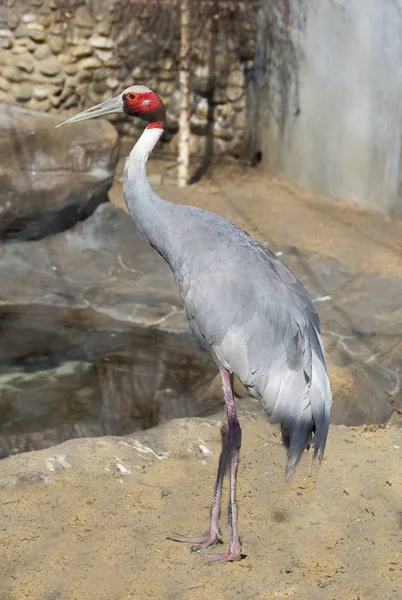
(88, 520)
(283, 215)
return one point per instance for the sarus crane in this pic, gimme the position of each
(244, 307)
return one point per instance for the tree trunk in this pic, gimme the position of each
(184, 119)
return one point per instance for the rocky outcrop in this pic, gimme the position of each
(51, 178)
(93, 338)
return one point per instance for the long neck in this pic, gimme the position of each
(151, 214)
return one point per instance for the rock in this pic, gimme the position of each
(39, 105)
(198, 126)
(13, 19)
(6, 43)
(98, 294)
(56, 44)
(40, 93)
(103, 27)
(18, 49)
(98, 88)
(50, 66)
(12, 73)
(46, 397)
(50, 178)
(358, 336)
(59, 79)
(84, 76)
(28, 18)
(71, 83)
(55, 100)
(38, 36)
(82, 51)
(90, 63)
(4, 84)
(23, 92)
(71, 101)
(57, 28)
(5, 33)
(34, 27)
(42, 52)
(104, 55)
(71, 69)
(101, 42)
(21, 32)
(111, 82)
(83, 18)
(31, 46)
(67, 59)
(115, 63)
(165, 88)
(25, 63)
(196, 143)
(45, 21)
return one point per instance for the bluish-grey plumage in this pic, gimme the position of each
(256, 319)
(245, 308)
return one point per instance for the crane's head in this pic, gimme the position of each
(136, 100)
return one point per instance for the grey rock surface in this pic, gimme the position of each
(51, 178)
(98, 303)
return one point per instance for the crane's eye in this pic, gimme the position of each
(131, 96)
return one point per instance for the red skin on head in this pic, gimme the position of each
(147, 106)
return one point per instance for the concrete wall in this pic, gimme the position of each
(333, 124)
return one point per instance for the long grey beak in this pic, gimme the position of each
(115, 105)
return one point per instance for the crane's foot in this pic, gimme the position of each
(200, 542)
(235, 554)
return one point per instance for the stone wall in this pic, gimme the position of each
(64, 55)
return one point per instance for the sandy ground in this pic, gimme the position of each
(88, 520)
(283, 215)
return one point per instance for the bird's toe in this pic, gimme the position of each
(199, 542)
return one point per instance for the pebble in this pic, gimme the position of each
(50, 66)
(11, 73)
(90, 63)
(82, 51)
(101, 42)
(23, 92)
(38, 36)
(4, 84)
(26, 63)
(40, 93)
(42, 52)
(56, 44)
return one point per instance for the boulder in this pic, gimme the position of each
(51, 178)
(97, 307)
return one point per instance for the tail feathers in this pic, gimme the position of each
(298, 434)
(296, 439)
(321, 401)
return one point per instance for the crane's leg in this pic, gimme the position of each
(234, 443)
(213, 536)
(231, 440)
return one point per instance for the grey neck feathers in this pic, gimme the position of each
(152, 214)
